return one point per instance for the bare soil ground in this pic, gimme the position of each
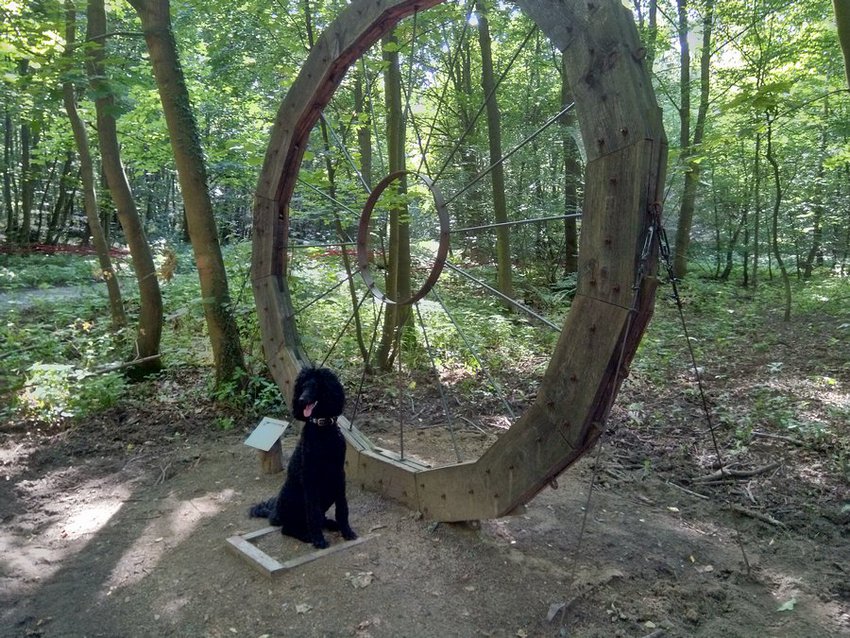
(117, 527)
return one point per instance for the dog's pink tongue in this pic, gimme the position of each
(308, 409)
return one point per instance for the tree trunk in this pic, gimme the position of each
(690, 146)
(364, 131)
(11, 213)
(842, 23)
(44, 192)
(61, 202)
(191, 171)
(398, 264)
(150, 299)
(116, 305)
(756, 210)
(27, 175)
(817, 228)
(786, 282)
(497, 174)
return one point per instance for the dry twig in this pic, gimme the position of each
(764, 518)
(725, 473)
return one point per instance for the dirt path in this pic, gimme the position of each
(27, 297)
(106, 533)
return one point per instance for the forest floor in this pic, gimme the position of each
(117, 526)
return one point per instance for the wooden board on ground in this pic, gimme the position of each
(242, 546)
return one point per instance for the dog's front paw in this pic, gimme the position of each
(349, 534)
(320, 542)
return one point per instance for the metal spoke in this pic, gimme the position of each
(484, 103)
(422, 150)
(519, 222)
(505, 157)
(443, 399)
(503, 296)
(473, 352)
(366, 363)
(345, 327)
(374, 121)
(344, 148)
(329, 245)
(325, 294)
(445, 89)
(334, 200)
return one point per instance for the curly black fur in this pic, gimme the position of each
(315, 476)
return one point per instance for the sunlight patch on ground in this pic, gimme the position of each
(164, 533)
(39, 552)
(794, 596)
(90, 519)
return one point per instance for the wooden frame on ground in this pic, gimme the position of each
(242, 546)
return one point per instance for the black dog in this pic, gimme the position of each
(315, 477)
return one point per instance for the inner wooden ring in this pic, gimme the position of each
(363, 238)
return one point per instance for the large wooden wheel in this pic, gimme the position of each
(626, 153)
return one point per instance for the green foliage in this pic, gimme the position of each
(53, 393)
(736, 333)
(44, 270)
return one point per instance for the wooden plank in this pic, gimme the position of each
(390, 477)
(612, 227)
(259, 533)
(322, 553)
(254, 556)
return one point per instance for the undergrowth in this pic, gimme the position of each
(57, 354)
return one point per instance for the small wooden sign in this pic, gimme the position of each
(267, 433)
(266, 439)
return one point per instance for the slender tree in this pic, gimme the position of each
(192, 174)
(150, 312)
(690, 146)
(398, 266)
(842, 23)
(116, 305)
(777, 205)
(497, 174)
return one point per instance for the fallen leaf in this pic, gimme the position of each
(521, 633)
(788, 605)
(360, 579)
(554, 608)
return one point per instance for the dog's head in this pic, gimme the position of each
(318, 394)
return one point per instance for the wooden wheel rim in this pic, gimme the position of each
(626, 155)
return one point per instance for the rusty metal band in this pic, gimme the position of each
(363, 238)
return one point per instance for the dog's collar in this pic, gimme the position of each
(329, 420)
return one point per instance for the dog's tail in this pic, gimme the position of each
(264, 509)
